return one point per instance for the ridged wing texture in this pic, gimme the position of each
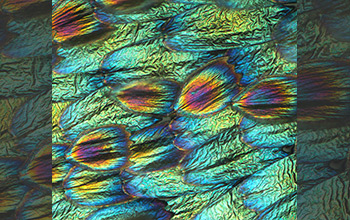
(323, 110)
(25, 109)
(180, 109)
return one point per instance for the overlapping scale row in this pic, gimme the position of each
(176, 111)
(323, 110)
(25, 109)
(20, 35)
(320, 169)
(116, 12)
(60, 167)
(253, 187)
(334, 18)
(165, 183)
(228, 28)
(10, 166)
(234, 160)
(93, 188)
(263, 135)
(286, 37)
(137, 209)
(25, 130)
(35, 205)
(150, 60)
(81, 116)
(153, 149)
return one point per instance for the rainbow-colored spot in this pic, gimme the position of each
(118, 3)
(39, 169)
(323, 91)
(153, 97)
(13, 6)
(126, 6)
(271, 98)
(209, 89)
(103, 148)
(74, 19)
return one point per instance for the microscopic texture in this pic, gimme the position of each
(174, 109)
(323, 110)
(25, 110)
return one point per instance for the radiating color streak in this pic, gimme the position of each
(209, 89)
(13, 6)
(125, 6)
(323, 91)
(121, 4)
(39, 169)
(103, 148)
(156, 97)
(92, 188)
(73, 20)
(272, 98)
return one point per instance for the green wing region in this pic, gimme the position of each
(179, 109)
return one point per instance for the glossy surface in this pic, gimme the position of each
(174, 110)
(104, 148)
(209, 90)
